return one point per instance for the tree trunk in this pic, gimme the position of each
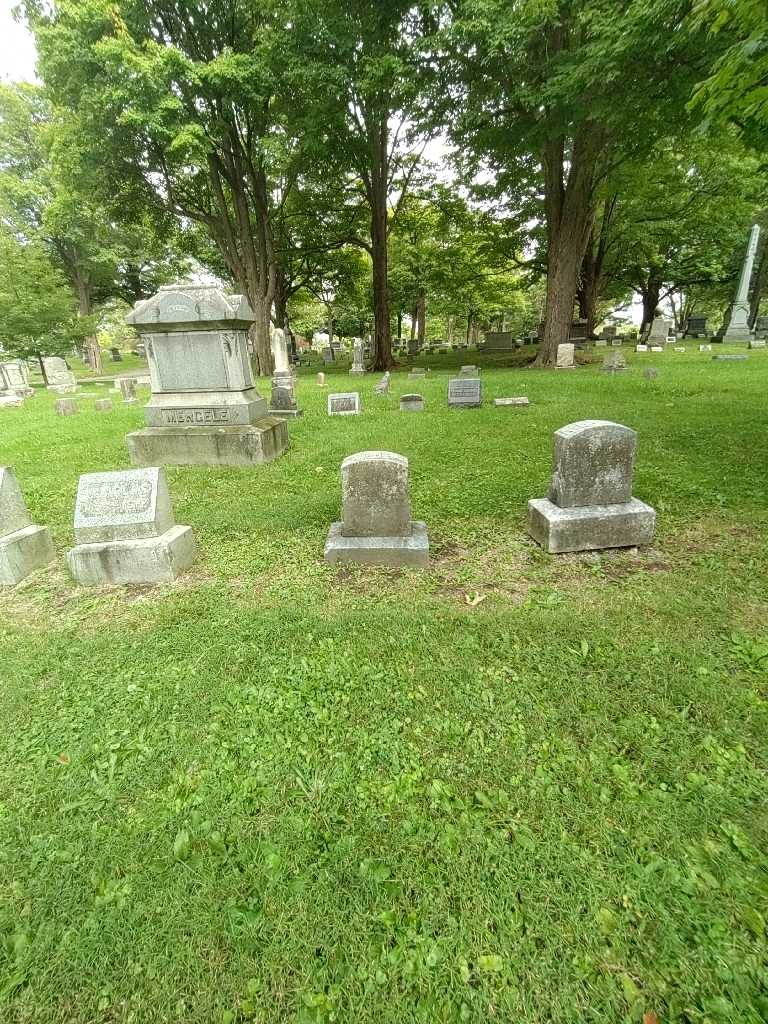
(378, 183)
(91, 342)
(421, 317)
(414, 320)
(570, 211)
(451, 329)
(42, 368)
(399, 324)
(261, 339)
(470, 316)
(650, 293)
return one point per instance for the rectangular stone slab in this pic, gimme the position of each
(23, 552)
(154, 560)
(131, 504)
(591, 527)
(216, 446)
(412, 550)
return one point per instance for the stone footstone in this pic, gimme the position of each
(344, 403)
(729, 359)
(522, 400)
(262, 441)
(590, 504)
(103, 405)
(126, 532)
(757, 343)
(11, 401)
(66, 407)
(376, 526)
(24, 546)
(412, 403)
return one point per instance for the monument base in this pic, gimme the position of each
(412, 550)
(155, 560)
(262, 441)
(24, 551)
(286, 413)
(591, 527)
(757, 343)
(356, 372)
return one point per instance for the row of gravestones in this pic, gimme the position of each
(126, 533)
(463, 392)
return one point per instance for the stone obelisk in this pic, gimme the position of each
(738, 325)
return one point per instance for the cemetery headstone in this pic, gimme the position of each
(737, 328)
(376, 526)
(328, 355)
(614, 362)
(126, 532)
(10, 400)
(601, 343)
(609, 332)
(417, 373)
(761, 327)
(103, 405)
(757, 343)
(66, 407)
(345, 403)
(321, 380)
(520, 400)
(57, 373)
(358, 366)
(412, 403)
(679, 348)
(705, 348)
(283, 402)
(24, 546)
(565, 356)
(469, 371)
(127, 389)
(14, 376)
(497, 341)
(465, 392)
(729, 359)
(696, 327)
(616, 342)
(116, 355)
(650, 373)
(590, 504)
(204, 408)
(659, 331)
(382, 388)
(657, 348)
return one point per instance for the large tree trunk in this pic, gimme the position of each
(570, 210)
(91, 342)
(377, 187)
(422, 317)
(650, 293)
(261, 335)
(451, 329)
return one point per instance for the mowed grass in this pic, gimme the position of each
(515, 787)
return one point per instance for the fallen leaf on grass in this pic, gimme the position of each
(62, 758)
(474, 599)
(650, 1018)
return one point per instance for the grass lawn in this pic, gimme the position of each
(513, 788)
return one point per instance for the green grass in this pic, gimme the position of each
(513, 788)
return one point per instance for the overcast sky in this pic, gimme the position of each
(17, 50)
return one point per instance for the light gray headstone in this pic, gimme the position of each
(103, 405)
(375, 495)
(412, 403)
(346, 403)
(650, 373)
(66, 407)
(465, 391)
(593, 464)
(130, 504)
(11, 401)
(127, 389)
(321, 380)
(520, 400)
(13, 510)
(641, 348)
(280, 350)
(565, 356)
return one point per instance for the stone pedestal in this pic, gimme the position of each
(590, 504)
(126, 532)
(24, 546)
(376, 528)
(204, 408)
(284, 402)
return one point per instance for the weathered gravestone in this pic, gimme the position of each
(66, 407)
(659, 331)
(127, 388)
(520, 400)
(376, 526)
(125, 530)
(14, 376)
(679, 348)
(103, 405)
(10, 400)
(729, 359)
(465, 392)
(116, 355)
(614, 362)
(705, 348)
(565, 356)
(590, 504)
(321, 380)
(328, 355)
(757, 342)
(345, 403)
(736, 327)
(657, 348)
(641, 348)
(358, 366)
(696, 327)
(283, 402)
(601, 343)
(417, 373)
(204, 408)
(469, 371)
(412, 403)
(609, 332)
(57, 373)
(382, 388)
(761, 327)
(23, 546)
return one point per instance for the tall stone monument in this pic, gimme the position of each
(358, 366)
(283, 401)
(23, 546)
(737, 328)
(590, 504)
(204, 409)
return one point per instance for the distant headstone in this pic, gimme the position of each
(10, 400)
(696, 327)
(127, 390)
(616, 342)
(14, 376)
(57, 372)
(705, 348)
(103, 405)
(650, 373)
(376, 526)
(469, 371)
(520, 400)
(614, 362)
(609, 331)
(590, 504)
(657, 348)
(601, 343)
(66, 407)
(412, 403)
(737, 319)
(578, 331)
(344, 404)
(321, 380)
(679, 348)
(659, 330)
(283, 402)
(761, 327)
(358, 366)
(116, 355)
(465, 392)
(24, 547)
(565, 356)
(729, 359)
(497, 341)
(417, 373)
(382, 388)
(126, 532)
(757, 343)
(328, 355)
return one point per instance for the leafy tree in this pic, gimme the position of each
(37, 312)
(554, 95)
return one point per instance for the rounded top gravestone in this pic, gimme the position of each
(375, 497)
(593, 464)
